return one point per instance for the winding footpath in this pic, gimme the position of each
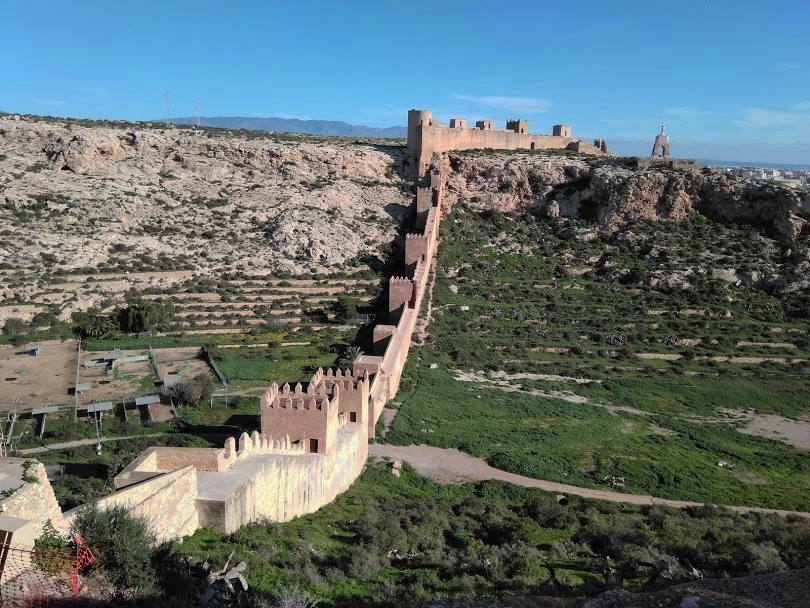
(448, 465)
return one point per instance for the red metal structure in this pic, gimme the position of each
(40, 577)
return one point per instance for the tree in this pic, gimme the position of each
(350, 356)
(193, 390)
(145, 315)
(123, 546)
(97, 326)
(345, 309)
(15, 327)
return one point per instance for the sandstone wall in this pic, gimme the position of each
(35, 502)
(166, 502)
(386, 384)
(443, 139)
(283, 487)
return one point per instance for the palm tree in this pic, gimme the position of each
(350, 356)
(98, 326)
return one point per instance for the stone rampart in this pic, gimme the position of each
(166, 502)
(281, 487)
(314, 439)
(426, 136)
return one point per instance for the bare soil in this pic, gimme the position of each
(40, 380)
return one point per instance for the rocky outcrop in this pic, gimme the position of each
(614, 194)
(82, 152)
(128, 196)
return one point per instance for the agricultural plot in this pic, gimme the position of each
(659, 361)
(200, 303)
(42, 379)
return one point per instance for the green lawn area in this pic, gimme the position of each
(251, 367)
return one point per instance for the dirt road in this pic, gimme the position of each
(447, 465)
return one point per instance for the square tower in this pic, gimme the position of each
(561, 130)
(485, 125)
(518, 126)
(458, 123)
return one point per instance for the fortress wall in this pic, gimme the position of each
(165, 502)
(399, 341)
(288, 482)
(302, 420)
(443, 139)
(348, 460)
(34, 502)
(203, 459)
(279, 488)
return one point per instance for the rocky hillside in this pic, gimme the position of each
(615, 192)
(127, 197)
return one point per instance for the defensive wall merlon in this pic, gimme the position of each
(426, 136)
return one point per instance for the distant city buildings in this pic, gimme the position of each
(799, 178)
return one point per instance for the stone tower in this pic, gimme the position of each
(662, 143)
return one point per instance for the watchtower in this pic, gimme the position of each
(308, 417)
(485, 125)
(518, 126)
(561, 130)
(458, 123)
(661, 143)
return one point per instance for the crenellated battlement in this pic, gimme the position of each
(426, 136)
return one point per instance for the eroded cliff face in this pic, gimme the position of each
(612, 193)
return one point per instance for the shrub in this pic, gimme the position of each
(123, 546)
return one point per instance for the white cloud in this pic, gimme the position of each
(796, 119)
(688, 112)
(48, 102)
(803, 105)
(526, 105)
(282, 115)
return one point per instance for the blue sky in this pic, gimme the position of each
(730, 78)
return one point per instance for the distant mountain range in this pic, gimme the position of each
(292, 125)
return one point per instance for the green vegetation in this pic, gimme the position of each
(398, 539)
(123, 547)
(519, 295)
(261, 367)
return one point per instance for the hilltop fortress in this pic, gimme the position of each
(426, 136)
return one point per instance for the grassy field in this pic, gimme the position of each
(520, 295)
(409, 539)
(262, 366)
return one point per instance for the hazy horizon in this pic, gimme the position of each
(728, 83)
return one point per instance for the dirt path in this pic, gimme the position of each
(80, 442)
(452, 466)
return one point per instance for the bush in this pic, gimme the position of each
(193, 390)
(123, 546)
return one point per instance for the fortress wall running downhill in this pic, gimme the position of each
(396, 352)
(312, 446)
